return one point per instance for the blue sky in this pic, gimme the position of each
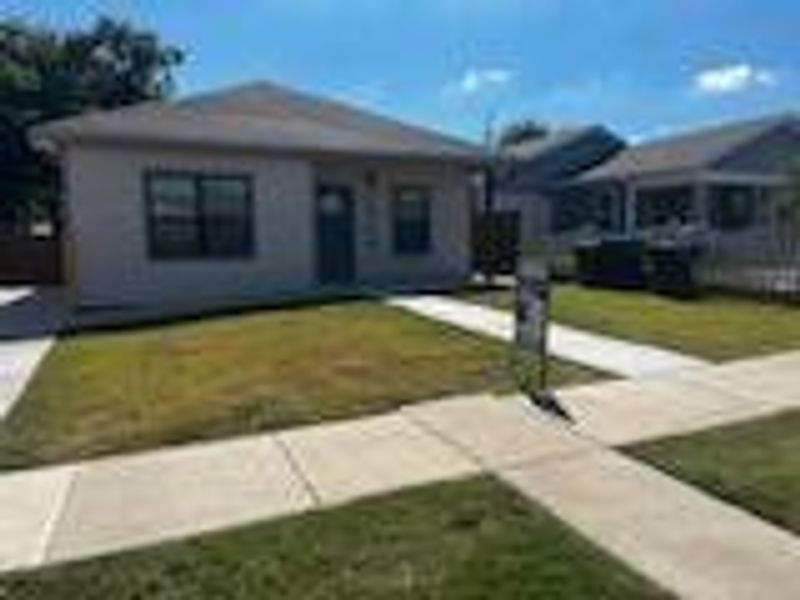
(642, 67)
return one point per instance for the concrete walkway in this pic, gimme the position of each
(686, 541)
(629, 411)
(28, 321)
(689, 542)
(627, 359)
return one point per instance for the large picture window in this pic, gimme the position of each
(194, 215)
(411, 220)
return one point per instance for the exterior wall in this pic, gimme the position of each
(108, 221)
(108, 235)
(534, 220)
(373, 182)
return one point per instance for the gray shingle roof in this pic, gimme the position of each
(560, 155)
(261, 116)
(699, 149)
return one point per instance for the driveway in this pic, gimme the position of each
(29, 320)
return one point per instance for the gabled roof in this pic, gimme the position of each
(262, 116)
(562, 153)
(699, 149)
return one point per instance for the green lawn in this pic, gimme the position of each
(715, 327)
(120, 390)
(754, 464)
(472, 539)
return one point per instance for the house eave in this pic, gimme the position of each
(56, 140)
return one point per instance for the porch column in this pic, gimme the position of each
(701, 208)
(630, 208)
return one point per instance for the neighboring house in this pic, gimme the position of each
(715, 187)
(719, 179)
(534, 177)
(257, 192)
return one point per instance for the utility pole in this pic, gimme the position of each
(489, 224)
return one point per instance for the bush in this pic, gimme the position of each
(671, 269)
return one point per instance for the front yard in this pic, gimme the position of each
(754, 464)
(470, 539)
(714, 327)
(127, 389)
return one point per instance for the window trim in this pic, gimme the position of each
(396, 191)
(197, 177)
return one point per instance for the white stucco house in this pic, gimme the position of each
(256, 192)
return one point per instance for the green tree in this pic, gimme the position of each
(47, 74)
(520, 131)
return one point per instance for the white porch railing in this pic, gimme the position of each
(757, 260)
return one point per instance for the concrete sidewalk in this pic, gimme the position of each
(685, 540)
(627, 359)
(29, 319)
(693, 544)
(629, 411)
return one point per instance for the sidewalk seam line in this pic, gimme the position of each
(454, 444)
(295, 467)
(510, 465)
(58, 516)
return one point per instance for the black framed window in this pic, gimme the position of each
(411, 220)
(192, 215)
(733, 207)
(664, 206)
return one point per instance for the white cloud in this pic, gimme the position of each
(733, 78)
(475, 81)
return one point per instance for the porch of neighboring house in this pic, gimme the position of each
(715, 204)
(734, 218)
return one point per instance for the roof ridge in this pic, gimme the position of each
(352, 110)
(766, 129)
(265, 115)
(765, 120)
(698, 148)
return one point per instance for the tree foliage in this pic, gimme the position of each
(47, 74)
(520, 131)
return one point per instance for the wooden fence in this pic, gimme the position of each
(30, 261)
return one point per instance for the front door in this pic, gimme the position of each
(335, 216)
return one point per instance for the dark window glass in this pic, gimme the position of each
(174, 228)
(573, 209)
(664, 206)
(411, 220)
(733, 207)
(226, 219)
(199, 216)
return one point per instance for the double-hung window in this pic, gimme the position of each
(191, 215)
(411, 220)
